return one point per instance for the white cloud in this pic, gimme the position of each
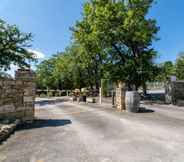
(38, 54)
(12, 70)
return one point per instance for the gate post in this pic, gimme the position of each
(26, 77)
(120, 96)
(100, 96)
(170, 90)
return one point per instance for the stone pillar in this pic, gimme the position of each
(168, 93)
(120, 96)
(170, 90)
(26, 77)
(174, 93)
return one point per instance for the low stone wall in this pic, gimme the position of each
(175, 93)
(17, 96)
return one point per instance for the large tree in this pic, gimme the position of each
(74, 68)
(13, 44)
(66, 70)
(45, 74)
(166, 69)
(122, 31)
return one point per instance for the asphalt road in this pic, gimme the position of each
(67, 132)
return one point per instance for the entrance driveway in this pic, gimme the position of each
(71, 132)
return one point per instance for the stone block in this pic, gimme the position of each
(1, 108)
(19, 83)
(1, 82)
(8, 108)
(29, 113)
(29, 84)
(28, 99)
(25, 75)
(12, 115)
(18, 114)
(20, 108)
(29, 92)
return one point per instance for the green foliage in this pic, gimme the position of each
(113, 41)
(45, 71)
(166, 70)
(121, 34)
(180, 67)
(4, 75)
(66, 70)
(13, 44)
(71, 68)
(104, 86)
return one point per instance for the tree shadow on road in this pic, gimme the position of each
(145, 110)
(41, 123)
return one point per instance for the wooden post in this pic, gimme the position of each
(100, 96)
(47, 92)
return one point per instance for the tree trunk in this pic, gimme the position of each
(97, 84)
(89, 80)
(144, 86)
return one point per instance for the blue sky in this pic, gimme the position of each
(49, 21)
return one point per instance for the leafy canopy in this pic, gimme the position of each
(13, 44)
(121, 34)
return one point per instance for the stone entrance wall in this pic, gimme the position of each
(17, 96)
